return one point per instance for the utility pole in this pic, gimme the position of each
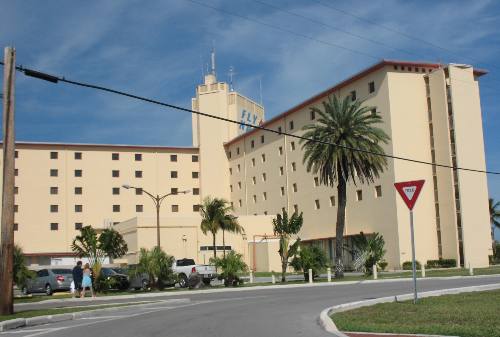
(7, 236)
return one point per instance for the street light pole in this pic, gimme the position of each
(157, 200)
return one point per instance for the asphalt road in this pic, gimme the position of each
(267, 313)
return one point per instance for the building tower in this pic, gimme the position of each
(209, 134)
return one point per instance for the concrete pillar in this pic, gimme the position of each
(273, 279)
(310, 276)
(251, 276)
(329, 274)
(375, 276)
(471, 270)
(423, 270)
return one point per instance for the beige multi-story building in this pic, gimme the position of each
(431, 112)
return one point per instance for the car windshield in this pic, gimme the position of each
(61, 271)
(120, 270)
(107, 271)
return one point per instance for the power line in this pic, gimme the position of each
(396, 31)
(55, 79)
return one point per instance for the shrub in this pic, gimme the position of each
(407, 265)
(369, 251)
(157, 265)
(232, 265)
(441, 263)
(310, 257)
(382, 265)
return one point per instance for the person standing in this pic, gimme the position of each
(78, 277)
(87, 281)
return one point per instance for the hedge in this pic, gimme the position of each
(407, 265)
(441, 263)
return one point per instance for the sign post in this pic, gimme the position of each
(409, 192)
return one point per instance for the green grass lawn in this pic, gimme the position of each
(467, 315)
(55, 311)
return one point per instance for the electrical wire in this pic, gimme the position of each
(55, 79)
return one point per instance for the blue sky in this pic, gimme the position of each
(158, 49)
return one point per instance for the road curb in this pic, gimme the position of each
(47, 319)
(269, 287)
(328, 325)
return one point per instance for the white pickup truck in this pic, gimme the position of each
(185, 267)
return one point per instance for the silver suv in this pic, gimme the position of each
(48, 281)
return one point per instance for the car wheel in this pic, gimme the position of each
(48, 290)
(25, 291)
(183, 280)
(144, 285)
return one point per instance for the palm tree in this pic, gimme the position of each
(229, 224)
(214, 216)
(349, 125)
(494, 220)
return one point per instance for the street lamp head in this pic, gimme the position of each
(185, 191)
(126, 186)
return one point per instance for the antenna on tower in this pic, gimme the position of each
(260, 90)
(213, 60)
(231, 74)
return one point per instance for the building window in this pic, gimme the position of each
(371, 87)
(239, 202)
(378, 191)
(173, 174)
(282, 209)
(312, 114)
(229, 154)
(238, 167)
(332, 201)
(316, 181)
(54, 226)
(15, 227)
(264, 177)
(196, 191)
(78, 208)
(231, 187)
(138, 174)
(173, 157)
(138, 208)
(16, 172)
(282, 191)
(54, 190)
(16, 208)
(78, 226)
(54, 208)
(279, 129)
(175, 208)
(16, 190)
(292, 146)
(316, 204)
(359, 195)
(263, 157)
(54, 172)
(239, 185)
(254, 181)
(353, 95)
(138, 191)
(294, 187)
(115, 173)
(78, 155)
(196, 208)
(194, 158)
(296, 208)
(262, 139)
(116, 208)
(78, 173)
(294, 166)
(291, 125)
(138, 157)
(374, 111)
(254, 199)
(253, 162)
(237, 150)
(281, 170)
(78, 190)
(53, 155)
(16, 154)
(252, 143)
(264, 196)
(115, 156)
(231, 171)
(280, 150)
(116, 190)
(195, 175)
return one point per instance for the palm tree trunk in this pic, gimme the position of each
(339, 236)
(215, 247)
(284, 264)
(223, 244)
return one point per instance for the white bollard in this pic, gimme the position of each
(471, 270)
(273, 279)
(310, 276)
(375, 276)
(329, 274)
(423, 271)
(251, 276)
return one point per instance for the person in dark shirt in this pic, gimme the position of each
(78, 277)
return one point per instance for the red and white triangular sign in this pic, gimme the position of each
(409, 191)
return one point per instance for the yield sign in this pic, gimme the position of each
(409, 191)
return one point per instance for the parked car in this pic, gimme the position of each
(185, 267)
(135, 281)
(114, 280)
(49, 280)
